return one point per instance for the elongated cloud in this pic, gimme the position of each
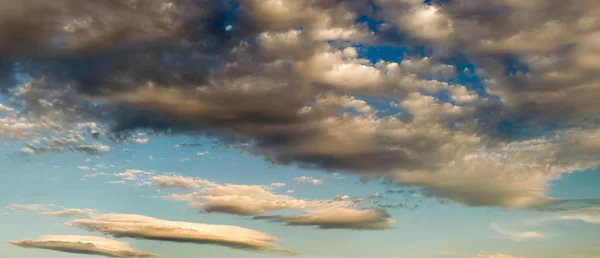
(496, 255)
(84, 245)
(138, 226)
(518, 236)
(254, 200)
(50, 210)
(337, 219)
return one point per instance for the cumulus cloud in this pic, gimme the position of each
(182, 67)
(83, 245)
(138, 226)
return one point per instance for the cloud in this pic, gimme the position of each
(140, 140)
(175, 181)
(70, 212)
(50, 210)
(132, 174)
(518, 236)
(138, 226)
(84, 245)
(184, 68)
(337, 218)
(257, 200)
(496, 255)
(310, 180)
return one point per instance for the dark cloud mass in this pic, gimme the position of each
(291, 78)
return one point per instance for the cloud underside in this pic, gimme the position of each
(526, 114)
(143, 227)
(84, 245)
(336, 219)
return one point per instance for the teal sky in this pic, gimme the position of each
(307, 128)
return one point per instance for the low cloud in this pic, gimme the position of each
(138, 226)
(337, 219)
(257, 200)
(83, 245)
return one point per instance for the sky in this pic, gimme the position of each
(308, 128)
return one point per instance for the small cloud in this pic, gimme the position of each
(140, 140)
(203, 153)
(518, 236)
(308, 180)
(83, 168)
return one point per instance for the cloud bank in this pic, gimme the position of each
(468, 112)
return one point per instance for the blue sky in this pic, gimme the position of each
(322, 128)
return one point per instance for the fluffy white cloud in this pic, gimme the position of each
(83, 245)
(138, 226)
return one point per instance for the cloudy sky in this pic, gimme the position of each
(309, 128)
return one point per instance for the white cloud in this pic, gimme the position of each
(50, 210)
(175, 181)
(132, 174)
(496, 255)
(518, 236)
(308, 180)
(83, 245)
(140, 140)
(70, 212)
(138, 226)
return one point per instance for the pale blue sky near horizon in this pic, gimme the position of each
(426, 231)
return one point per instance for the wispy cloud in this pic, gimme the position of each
(518, 236)
(83, 245)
